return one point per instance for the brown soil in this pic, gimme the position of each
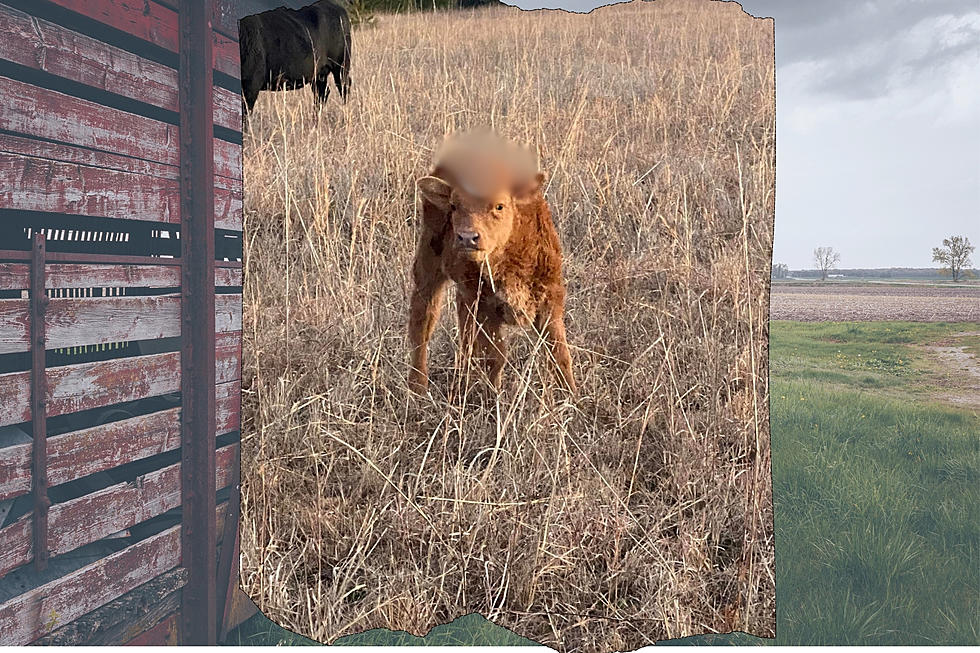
(958, 371)
(864, 303)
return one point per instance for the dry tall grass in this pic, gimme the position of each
(641, 512)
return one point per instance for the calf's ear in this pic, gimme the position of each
(435, 191)
(530, 188)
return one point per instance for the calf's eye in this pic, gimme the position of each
(500, 207)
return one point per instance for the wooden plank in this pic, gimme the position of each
(73, 388)
(228, 356)
(228, 313)
(76, 275)
(42, 610)
(108, 166)
(100, 320)
(43, 113)
(42, 45)
(163, 634)
(152, 22)
(34, 184)
(37, 184)
(96, 449)
(124, 618)
(89, 518)
(56, 178)
(228, 407)
(228, 277)
(14, 276)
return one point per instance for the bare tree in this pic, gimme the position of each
(780, 271)
(954, 255)
(826, 259)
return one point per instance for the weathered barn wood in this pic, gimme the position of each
(81, 453)
(94, 516)
(153, 22)
(42, 610)
(43, 113)
(43, 45)
(120, 134)
(134, 612)
(73, 388)
(54, 182)
(96, 320)
(69, 275)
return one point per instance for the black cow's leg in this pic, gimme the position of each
(321, 89)
(342, 79)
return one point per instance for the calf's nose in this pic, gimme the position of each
(468, 238)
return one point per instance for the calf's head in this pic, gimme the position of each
(482, 219)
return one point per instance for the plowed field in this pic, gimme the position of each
(869, 303)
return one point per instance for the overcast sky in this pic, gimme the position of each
(877, 126)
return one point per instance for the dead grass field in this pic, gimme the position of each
(641, 512)
(864, 303)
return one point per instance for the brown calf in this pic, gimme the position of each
(487, 227)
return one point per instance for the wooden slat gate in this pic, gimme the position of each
(120, 319)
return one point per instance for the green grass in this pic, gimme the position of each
(877, 496)
(877, 491)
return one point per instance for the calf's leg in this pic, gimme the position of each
(550, 323)
(480, 339)
(425, 306)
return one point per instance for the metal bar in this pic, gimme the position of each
(198, 523)
(39, 405)
(17, 255)
(228, 561)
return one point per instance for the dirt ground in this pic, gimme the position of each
(826, 303)
(958, 370)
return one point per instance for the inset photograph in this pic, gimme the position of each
(505, 322)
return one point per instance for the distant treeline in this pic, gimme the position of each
(878, 273)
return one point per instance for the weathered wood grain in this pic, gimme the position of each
(42, 45)
(164, 633)
(117, 621)
(151, 22)
(89, 518)
(14, 276)
(227, 277)
(227, 313)
(41, 176)
(99, 320)
(42, 610)
(34, 184)
(228, 356)
(43, 113)
(228, 407)
(96, 449)
(73, 388)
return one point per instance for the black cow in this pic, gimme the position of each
(288, 48)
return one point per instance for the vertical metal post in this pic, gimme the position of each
(197, 381)
(39, 403)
